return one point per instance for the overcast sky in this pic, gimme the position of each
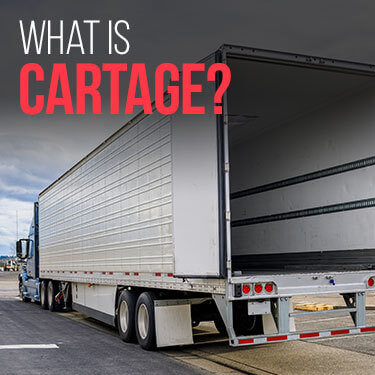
(35, 150)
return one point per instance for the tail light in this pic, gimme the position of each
(269, 288)
(371, 282)
(258, 288)
(251, 289)
(246, 289)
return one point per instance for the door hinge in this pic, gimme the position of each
(227, 215)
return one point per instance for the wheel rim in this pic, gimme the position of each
(50, 295)
(124, 316)
(143, 321)
(42, 295)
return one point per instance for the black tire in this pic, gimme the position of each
(249, 325)
(245, 324)
(22, 296)
(126, 315)
(51, 296)
(258, 327)
(43, 295)
(145, 321)
(220, 326)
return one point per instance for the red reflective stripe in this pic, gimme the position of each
(111, 273)
(103, 273)
(368, 329)
(277, 338)
(305, 335)
(136, 273)
(90, 273)
(85, 272)
(246, 341)
(157, 274)
(170, 275)
(340, 332)
(127, 273)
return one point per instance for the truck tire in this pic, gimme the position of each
(22, 295)
(43, 295)
(245, 324)
(248, 325)
(145, 321)
(126, 315)
(220, 326)
(51, 292)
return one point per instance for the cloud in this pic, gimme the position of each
(8, 227)
(24, 167)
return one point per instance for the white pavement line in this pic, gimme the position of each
(30, 346)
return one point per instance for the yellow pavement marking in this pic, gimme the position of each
(313, 306)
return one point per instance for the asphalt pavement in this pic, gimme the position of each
(82, 345)
(74, 348)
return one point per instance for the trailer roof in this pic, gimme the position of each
(307, 61)
(233, 51)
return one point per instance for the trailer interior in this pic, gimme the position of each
(302, 166)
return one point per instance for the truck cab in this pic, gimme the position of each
(28, 249)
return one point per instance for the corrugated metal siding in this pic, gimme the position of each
(113, 212)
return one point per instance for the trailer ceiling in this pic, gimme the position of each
(265, 94)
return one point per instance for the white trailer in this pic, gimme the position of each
(183, 218)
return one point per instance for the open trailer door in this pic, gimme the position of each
(197, 170)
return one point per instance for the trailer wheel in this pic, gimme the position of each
(244, 324)
(43, 295)
(145, 321)
(249, 325)
(51, 293)
(220, 326)
(126, 315)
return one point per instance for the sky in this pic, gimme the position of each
(35, 150)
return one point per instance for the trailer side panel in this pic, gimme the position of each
(113, 212)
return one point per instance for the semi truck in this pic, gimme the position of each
(177, 219)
